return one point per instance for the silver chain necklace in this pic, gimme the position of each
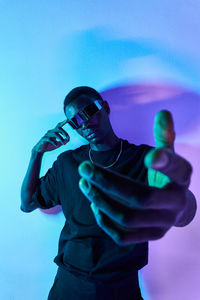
(112, 163)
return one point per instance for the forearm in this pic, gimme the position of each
(31, 178)
(189, 212)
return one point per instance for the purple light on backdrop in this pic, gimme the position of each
(133, 110)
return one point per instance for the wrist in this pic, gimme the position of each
(36, 153)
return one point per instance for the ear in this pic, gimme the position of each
(106, 106)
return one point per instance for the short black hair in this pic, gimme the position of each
(81, 91)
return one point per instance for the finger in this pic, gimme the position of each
(117, 209)
(57, 143)
(50, 140)
(58, 136)
(122, 188)
(164, 134)
(105, 224)
(126, 191)
(141, 235)
(60, 124)
(129, 218)
(157, 179)
(156, 159)
(123, 237)
(110, 207)
(65, 134)
(175, 167)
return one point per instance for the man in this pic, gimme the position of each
(112, 203)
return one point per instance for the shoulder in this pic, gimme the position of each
(63, 156)
(69, 153)
(136, 148)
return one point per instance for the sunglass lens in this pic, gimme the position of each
(84, 115)
(91, 109)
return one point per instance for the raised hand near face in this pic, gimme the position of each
(131, 212)
(53, 139)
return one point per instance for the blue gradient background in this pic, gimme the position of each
(142, 56)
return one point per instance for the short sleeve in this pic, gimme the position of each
(46, 193)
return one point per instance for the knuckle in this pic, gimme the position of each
(60, 130)
(123, 239)
(94, 195)
(118, 238)
(125, 219)
(49, 133)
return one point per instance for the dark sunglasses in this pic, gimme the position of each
(84, 115)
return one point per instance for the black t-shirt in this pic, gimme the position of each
(84, 248)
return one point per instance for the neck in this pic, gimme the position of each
(108, 143)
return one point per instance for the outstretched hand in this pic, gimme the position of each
(131, 212)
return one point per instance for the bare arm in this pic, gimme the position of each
(47, 143)
(30, 181)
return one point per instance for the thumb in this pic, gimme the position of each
(163, 130)
(164, 136)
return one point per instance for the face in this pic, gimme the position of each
(96, 128)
